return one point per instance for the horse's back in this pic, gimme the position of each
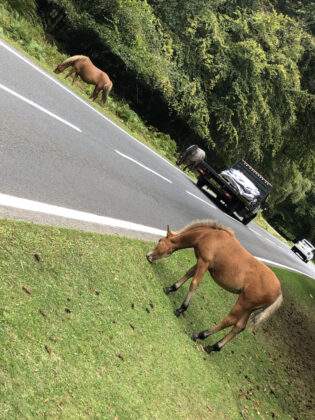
(259, 281)
(75, 58)
(236, 269)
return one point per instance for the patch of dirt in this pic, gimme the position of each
(293, 336)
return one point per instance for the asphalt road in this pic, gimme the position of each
(56, 149)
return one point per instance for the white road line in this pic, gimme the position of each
(263, 237)
(21, 57)
(40, 108)
(256, 233)
(35, 206)
(275, 264)
(200, 199)
(38, 207)
(269, 240)
(142, 166)
(213, 206)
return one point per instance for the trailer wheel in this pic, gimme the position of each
(201, 182)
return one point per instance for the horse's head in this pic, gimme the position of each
(163, 248)
(60, 68)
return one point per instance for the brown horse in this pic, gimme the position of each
(232, 267)
(82, 66)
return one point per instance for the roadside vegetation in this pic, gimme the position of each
(26, 33)
(87, 332)
(20, 25)
(236, 77)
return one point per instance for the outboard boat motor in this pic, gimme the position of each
(191, 157)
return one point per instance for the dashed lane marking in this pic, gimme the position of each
(39, 107)
(142, 166)
(200, 199)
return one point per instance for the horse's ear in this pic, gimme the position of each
(169, 233)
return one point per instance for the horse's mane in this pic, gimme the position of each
(208, 223)
(74, 58)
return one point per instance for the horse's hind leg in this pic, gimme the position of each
(181, 281)
(238, 327)
(95, 93)
(226, 322)
(236, 313)
(105, 93)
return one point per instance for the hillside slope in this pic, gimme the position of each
(86, 331)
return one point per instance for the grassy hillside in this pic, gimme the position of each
(86, 331)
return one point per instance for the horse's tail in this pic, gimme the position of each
(261, 315)
(73, 58)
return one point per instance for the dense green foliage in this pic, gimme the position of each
(237, 77)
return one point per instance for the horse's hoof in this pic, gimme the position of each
(199, 336)
(170, 289)
(210, 349)
(177, 312)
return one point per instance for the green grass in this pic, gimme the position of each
(262, 222)
(87, 332)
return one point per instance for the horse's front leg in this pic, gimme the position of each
(201, 268)
(181, 281)
(74, 77)
(70, 72)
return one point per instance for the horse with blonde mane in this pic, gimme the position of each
(82, 66)
(232, 267)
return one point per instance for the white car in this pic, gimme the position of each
(304, 249)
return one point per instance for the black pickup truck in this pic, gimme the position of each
(241, 189)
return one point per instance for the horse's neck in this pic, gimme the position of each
(70, 63)
(191, 238)
(185, 240)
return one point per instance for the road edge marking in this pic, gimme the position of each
(52, 210)
(275, 264)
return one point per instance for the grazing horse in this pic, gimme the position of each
(232, 267)
(82, 66)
